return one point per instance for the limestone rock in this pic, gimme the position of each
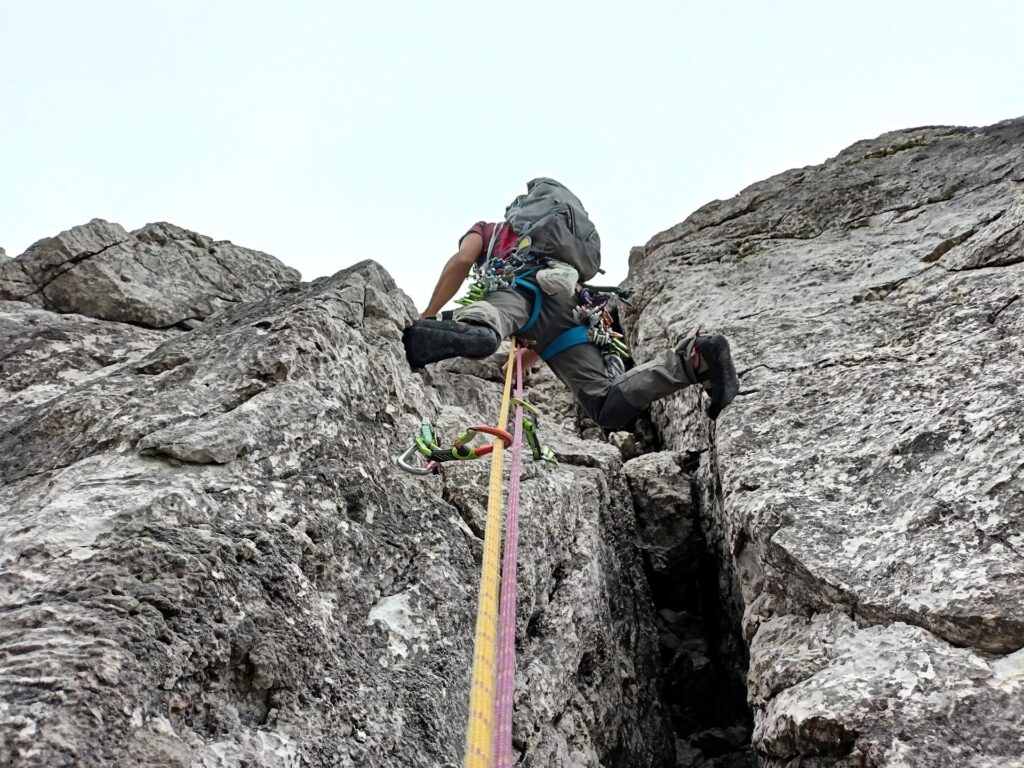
(887, 693)
(209, 557)
(43, 354)
(665, 518)
(157, 277)
(864, 490)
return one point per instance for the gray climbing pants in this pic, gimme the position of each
(611, 403)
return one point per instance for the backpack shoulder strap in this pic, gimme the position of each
(494, 238)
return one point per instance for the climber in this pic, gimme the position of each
(528, 285)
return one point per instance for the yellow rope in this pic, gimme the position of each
(480, 731)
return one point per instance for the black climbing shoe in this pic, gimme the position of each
(720, 373)
(427, 341)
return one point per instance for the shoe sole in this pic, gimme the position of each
(725, 384)
(428, 341)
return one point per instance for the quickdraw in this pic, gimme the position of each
(498, 273)
(495, 273)
(540, 451)
(427, 448)
(425, 444)
(592, 313)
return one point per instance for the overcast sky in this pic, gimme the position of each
(330, 132)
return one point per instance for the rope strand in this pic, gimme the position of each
(480, 735)
(507, 622)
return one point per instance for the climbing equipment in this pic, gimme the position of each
(507, 618)
(496, 270)
(426, 447)
(594, 326)
(558, 280)
(505, 271)
(425, 443)
(540, 451)
(538, 299)
(592, 313)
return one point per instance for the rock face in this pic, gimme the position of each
(210, 559)
(703, 663)
(158, 276)
(43, 354)
(865, 490)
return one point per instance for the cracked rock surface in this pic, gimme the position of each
(865, 489)
(209, 559)
(158, 276)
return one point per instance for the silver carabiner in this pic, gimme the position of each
(403, 461)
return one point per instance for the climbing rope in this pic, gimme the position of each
(480, 733)
(507, 622)
(489, 731)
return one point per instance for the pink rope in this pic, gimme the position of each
(507, 614)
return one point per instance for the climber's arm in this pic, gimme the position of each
(454, 272)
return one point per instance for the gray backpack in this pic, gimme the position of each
(557, 225)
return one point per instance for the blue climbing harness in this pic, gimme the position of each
(576, 335)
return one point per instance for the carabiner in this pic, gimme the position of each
(403, 461)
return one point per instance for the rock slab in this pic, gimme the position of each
(157, 277)
(866, 487)
(209, 558)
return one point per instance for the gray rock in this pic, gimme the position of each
(887, 694)
(158, 276)
(871, 467)
(626, 442)
(43, 355)
(15, 284)
(997, 243)
(665, 514)
(209, 557)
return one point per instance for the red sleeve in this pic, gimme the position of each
(485, 229)
(482, 228)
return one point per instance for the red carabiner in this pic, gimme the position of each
(472, 432)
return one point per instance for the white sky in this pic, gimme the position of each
(329, 132)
